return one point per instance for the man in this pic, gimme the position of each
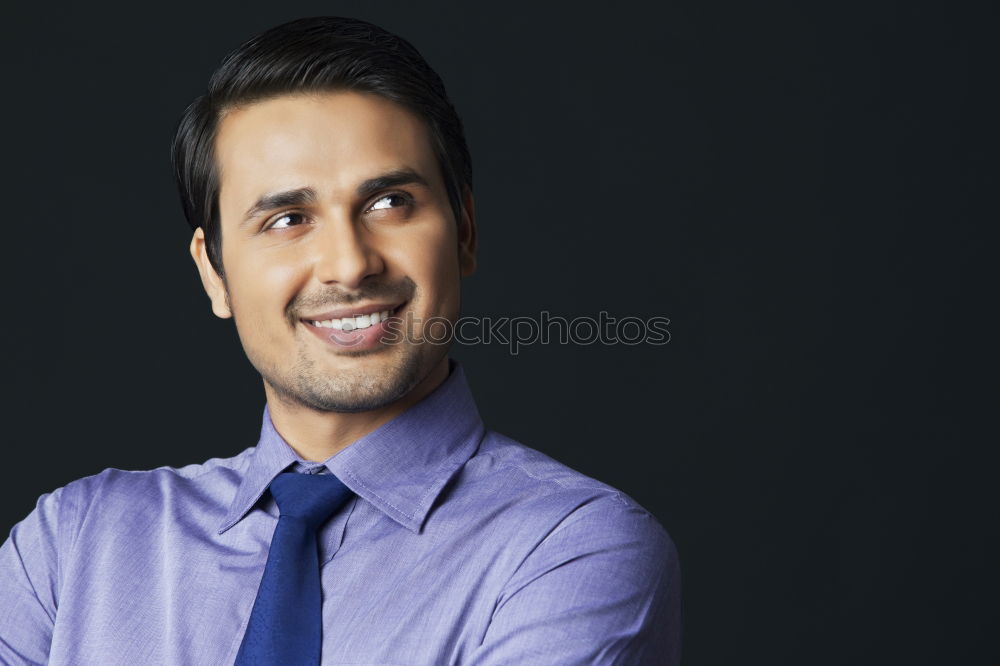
(376, 521)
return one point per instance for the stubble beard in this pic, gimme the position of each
(307, 384)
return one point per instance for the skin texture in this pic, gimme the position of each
(340, 250)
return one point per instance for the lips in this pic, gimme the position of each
(358, 339)
(356, 311)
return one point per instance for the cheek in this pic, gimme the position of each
(261, 289)
(432, 262)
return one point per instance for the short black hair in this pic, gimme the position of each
(326, 53)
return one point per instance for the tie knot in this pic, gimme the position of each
(310, 497)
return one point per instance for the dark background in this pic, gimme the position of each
(800, 187)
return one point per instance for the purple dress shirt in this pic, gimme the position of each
(461, 547)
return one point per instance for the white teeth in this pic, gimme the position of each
(352, 323)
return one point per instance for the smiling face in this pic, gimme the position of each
(332, 205)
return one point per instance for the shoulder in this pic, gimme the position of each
(531, 474)
(115, 491)
(561, 504)
(113, 480)
(582, 560)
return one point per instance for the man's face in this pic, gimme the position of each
(333, 205)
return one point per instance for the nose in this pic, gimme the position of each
(345, 254)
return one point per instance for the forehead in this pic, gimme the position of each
(329, 141)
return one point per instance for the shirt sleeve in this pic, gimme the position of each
(28, 585)
(601, 588)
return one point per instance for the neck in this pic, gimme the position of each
(316, 436)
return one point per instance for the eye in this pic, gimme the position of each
(391, 200)
(286, 220)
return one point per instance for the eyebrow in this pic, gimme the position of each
(304, 196)
(298, 197)
(395, 178)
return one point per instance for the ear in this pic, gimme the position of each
(467, 235)
(215, 287)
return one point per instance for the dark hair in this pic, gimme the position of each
(324, 53)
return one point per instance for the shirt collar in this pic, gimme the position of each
(400, 467)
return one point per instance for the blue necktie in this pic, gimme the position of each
(285, 626)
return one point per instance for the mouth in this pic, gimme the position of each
(354, 319)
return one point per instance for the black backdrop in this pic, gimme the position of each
(799, 187)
